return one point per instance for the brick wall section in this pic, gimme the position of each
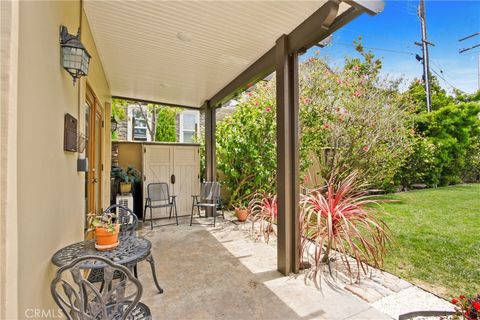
(122, 130)
(114, 153)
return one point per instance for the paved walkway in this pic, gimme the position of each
(221, 273)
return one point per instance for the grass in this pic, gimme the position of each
(436, 238)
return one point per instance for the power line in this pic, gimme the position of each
(471, 48)
(379, 49)
(443, 78)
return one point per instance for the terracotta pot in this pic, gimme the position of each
(241, 214)
(125, 187)
(104, 238)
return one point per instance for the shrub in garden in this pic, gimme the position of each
(263, 212)
(337, 221)
(359, 118)
(421, 165)
(246, 145)
(455, 132)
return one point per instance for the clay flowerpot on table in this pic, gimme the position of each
(106, 239)
(241, 213)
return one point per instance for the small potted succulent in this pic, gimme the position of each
(106, 230)
(241, 210)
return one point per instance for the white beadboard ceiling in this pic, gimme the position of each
(143, 57)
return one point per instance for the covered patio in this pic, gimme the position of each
(199, 55)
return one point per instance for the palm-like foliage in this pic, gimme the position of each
(336, 220)
(263, 210)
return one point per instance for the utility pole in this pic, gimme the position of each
(470, 48)
(425, 58)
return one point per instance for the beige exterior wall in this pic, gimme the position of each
(130, 154)
(51, 192)
(8, 160)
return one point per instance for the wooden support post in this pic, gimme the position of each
(210, 146)
(287, 157)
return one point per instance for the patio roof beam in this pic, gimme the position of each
(314, 29)
(156, 102)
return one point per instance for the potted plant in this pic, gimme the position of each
(106, 230)
(241, 210)
(126, 178)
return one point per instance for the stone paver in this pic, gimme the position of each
(409, 300)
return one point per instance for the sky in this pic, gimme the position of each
(393, 32)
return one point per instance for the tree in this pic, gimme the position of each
(440, 98)
(455, 131)
(353, 120)
(361, 122)
(166, 118)
(246, 149)
(159, 119)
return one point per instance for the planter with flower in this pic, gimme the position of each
(241, 210)
(106, 230)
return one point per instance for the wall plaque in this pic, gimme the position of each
(70, 133)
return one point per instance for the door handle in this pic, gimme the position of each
(172, 179)
(94, 180)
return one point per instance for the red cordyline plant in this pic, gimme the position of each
(467, 308)
(263, 211)
(337, 221)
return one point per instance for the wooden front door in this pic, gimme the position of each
(94, 133)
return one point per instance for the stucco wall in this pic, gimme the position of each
(130, 154)
(8, 160)
(51, 192)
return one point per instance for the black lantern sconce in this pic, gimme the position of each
(75, 57)
(113, 124)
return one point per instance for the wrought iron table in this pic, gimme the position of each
(129, 252)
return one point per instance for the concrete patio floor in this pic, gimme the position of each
(219, 273)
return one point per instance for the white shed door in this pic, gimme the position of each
(186, 169)
(161, 162)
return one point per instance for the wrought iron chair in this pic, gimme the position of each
(158, 196)
(79, 299)
(126, 218)
(128, 224)
(209, 198)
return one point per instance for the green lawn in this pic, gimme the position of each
(436, 238)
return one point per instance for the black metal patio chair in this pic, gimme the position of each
(128, 224)
(80, 299)
(126, 218)
(158, 196)
(209, 198)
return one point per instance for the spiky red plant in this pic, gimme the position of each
(337, 220)
(263, 211)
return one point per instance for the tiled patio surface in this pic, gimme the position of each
(220, 273)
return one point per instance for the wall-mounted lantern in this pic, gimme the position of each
(75, 57)
(113, 124)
